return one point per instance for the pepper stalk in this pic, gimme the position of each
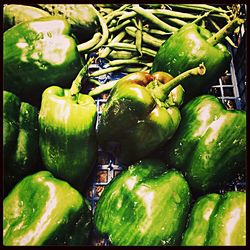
(77, 83)
(225, 31)
(161, 92)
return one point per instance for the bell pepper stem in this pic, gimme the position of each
(225, 31)
(161, 92)
(77, 83)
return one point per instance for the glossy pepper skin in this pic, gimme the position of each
(209, 145)
(43, 210)
(217, 220)
(67, 138)
(132, 123)
(147, 206)
(38, 54)
(187, 48)
(20, 139)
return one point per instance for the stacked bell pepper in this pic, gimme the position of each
(203, 144)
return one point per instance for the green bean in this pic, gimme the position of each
(152, 18)
(200, 7)
(146, 38)
(201, 17)
(138, 37)
(135, 60)
(128, 40)
(131, 47)
(102, 88)
(83, 47)
(126, 15)
(120, 26)
(176, 21)
(105, 31)
(221, 16)
(112, 15)
(94, 81)
(104, 53)
(156, 32)
(105, 71)
(117, 12)
(112, 23)
(171, 13)
(115, 54)
(134, 69)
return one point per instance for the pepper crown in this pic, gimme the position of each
(161, 92)
(77, 83)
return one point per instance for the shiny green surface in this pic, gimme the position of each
(20, 139)
(43, 210)
(198, 224)
(82, 17)
(217, 220)
(133, 123)
(14, 14)
(228, 222)
(38, 54)
(186, 49)
(67, 134)
(210, 143)
(144, 206)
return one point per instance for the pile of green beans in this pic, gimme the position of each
(133, 33)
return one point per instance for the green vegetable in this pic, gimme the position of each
(20, 139)
(14, 14)
(192, 45)
(144, 206)
(152, 18)
(82, 17)
(131, 47)
(210, 143)
(87, 46)
(43, 210)
(153, 41)
(105, 52)
(67, 121)
(217, 220)
(141, 113)
(38, 54)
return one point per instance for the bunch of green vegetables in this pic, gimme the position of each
(136, 32)
(51, 135)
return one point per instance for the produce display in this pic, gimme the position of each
(206, 135)
(177, 146)
(210, 217)
(148, 206)
(145, 108)
(20, 139)
(43, 210)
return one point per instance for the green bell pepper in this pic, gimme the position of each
(38, 54)
(43, 210)
(20, 139)
(209, 145)
(144, 206)
(141, 113)
(217, 220)
(67, 140)
(14, 14)
(190, 46)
